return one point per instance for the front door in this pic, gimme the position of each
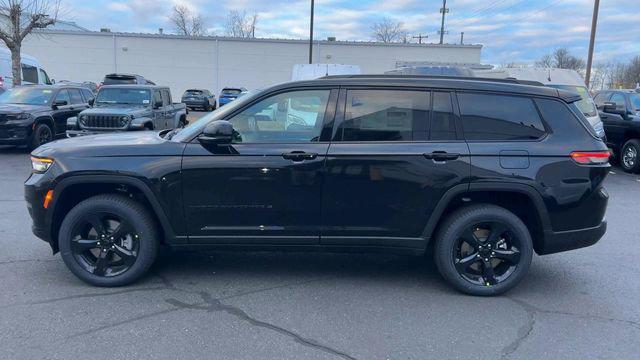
(63, 112)
(615, 125)
(394, 154)
(264, 188)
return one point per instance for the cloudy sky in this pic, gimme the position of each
(511, 30)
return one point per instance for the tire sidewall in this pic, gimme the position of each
(451, 231)
(636, 167)
(35, 142)
(122, 207)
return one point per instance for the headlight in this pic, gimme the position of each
(125, 120)
(40, 165)
(18, 117)
(83, 119)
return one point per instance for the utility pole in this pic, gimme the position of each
(592, 40)
(462, 38)
(443, 10)
(311, 35)
(420, 37)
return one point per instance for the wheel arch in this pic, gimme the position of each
(46, 119)
(523, 200)
(73, 190)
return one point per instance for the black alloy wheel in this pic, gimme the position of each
(483, 249)
(487, 253)
(42, 134)
(105, 244)
(109, 240)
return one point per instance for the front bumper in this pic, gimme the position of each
(555, 242)
(15, 134)
(35, 189)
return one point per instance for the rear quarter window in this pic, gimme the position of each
(499, 117)
(562, 119)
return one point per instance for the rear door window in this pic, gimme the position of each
(88, 95)
(166, 98)
(384, 115)
(499, 117)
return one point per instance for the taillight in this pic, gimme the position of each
(591, 157)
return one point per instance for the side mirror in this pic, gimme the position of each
(612, 108)
(91, 102)
(56, 104)
(157, 104)
(219, 132)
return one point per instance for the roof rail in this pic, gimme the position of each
(434, 77)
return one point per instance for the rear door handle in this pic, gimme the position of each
(299, 156)
(441, 156)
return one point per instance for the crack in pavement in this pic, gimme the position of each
(214, 305)
(531, 310)
(81, 296)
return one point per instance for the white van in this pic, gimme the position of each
(32, 71)
(565, 79)
(315, 71)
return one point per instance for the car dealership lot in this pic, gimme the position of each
(579, 304)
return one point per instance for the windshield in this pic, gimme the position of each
(586, 105)
(195, 128)
(192, 93)
(231, 91)
(123, 96)
(26, 95)
(119, 80)
(635, 101)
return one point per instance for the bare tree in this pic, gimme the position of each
(388, 31)
(187, 22)
(562, 59)
(632, 73)
(18, 18)
(239, 24)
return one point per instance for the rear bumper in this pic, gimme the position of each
(555, 242)
(199, 103)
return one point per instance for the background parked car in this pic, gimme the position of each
(199, 98)
(229, 94)
(620, 113)
(32, 71)
(120, 79)
(129, 107)
(33, 115)
(564, 79)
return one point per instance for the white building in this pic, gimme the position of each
(214, 62)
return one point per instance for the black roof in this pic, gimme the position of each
(445, 82)
(143, 86)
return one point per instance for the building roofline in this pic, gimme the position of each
(272, 40)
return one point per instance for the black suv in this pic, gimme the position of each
(620, 114)
(33, 115)
(481, 172)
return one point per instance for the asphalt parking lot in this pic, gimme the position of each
(580, 304)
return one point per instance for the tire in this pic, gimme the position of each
(512, 240)
(139, 232)
(42, 134)
(630, 156)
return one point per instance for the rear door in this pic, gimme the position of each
(159, 117)
(394, 153)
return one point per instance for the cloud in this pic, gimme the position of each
(511, 30)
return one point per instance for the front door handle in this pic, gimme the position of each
(299, 156)
(441, 156)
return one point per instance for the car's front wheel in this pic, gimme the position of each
(629, 156)
(42, 134)
(108, 240)
(483, 250)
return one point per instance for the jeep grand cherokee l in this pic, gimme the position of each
(482, 172)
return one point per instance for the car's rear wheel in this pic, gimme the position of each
(629, 156)
(483, 250)
(108, 240)
(42, 134)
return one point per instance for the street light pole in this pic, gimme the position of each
(592, 40)
(311, 35)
